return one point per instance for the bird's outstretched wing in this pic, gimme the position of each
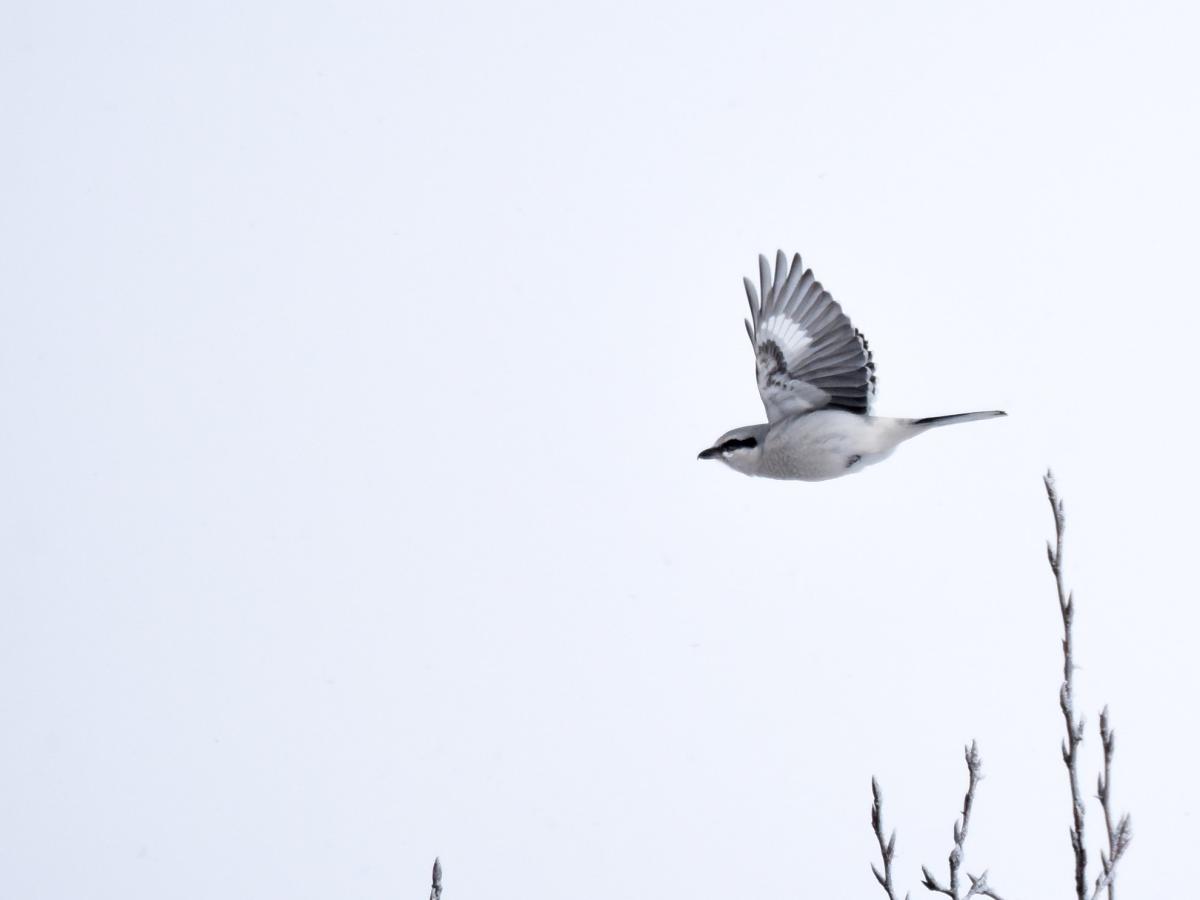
(807, 353)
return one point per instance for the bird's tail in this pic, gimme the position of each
(938, 421)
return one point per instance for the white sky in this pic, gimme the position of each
(353, 363)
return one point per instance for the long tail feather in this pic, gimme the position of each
(937, 421)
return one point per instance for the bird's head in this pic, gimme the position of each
(739, 449)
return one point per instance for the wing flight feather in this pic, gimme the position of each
(807, 353)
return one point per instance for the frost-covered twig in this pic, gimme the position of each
(435, 893)
(979, 886)
(886, 847)
(1066, 693)
(1120, 836)
(1108, 741)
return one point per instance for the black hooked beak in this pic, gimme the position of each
(710, 453)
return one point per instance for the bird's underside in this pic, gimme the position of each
(827, 443)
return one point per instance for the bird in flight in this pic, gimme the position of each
(817, 382)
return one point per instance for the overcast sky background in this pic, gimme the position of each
(354, 359)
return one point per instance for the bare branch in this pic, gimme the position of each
(1119, 836)
(979, 886)
(1107, 861)
(887, 848)
(1066, 693)
(435, 893)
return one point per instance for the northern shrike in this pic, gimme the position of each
(817, 381)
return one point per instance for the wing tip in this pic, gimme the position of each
(752, 297)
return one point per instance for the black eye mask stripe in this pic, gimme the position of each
(739, 443)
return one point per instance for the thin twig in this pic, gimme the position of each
(887, 848)
(979, 885)
(1119, 836)
(1066, 694)
(435, 893)
(1103, 781)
